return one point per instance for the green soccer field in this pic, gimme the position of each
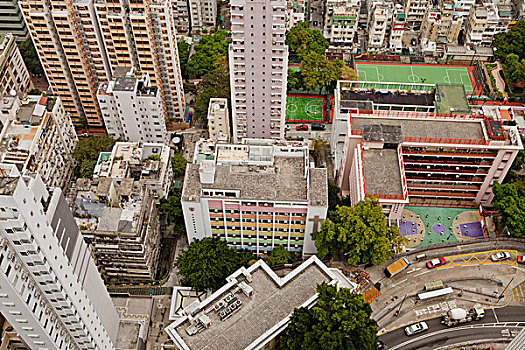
(426, 74)
(304, 109)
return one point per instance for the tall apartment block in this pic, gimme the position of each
(218, 119)
(442, 27)
(81, 44)
(11, 20)
(132, 108)
(38, 136)
(416, 11)
(181, 16)
(14, 75)
(341, 22)
(203, 14)
(258, 60)
(52, 293)
(420, 158)
(485, 21)
(256, 195)
(296, 11)
(398, 29)
(379, 26)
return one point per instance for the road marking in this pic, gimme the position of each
(422, 273)
(479, 258)
(495, 316)
(399, 282)
(521, 292)
(512, 292)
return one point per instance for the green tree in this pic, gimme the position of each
(512, 41)
(339, 321)
(184, 50)
(294, 80)
(30, 57)
(178, 164)
(207, 51)
(208, 262)
(360, 233)
(280, 256)
(511, 206)
(171, 207)
(87, 151)
(319, 73)
(215, 83)
(302, 41)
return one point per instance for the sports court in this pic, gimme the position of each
(417, 73)
(305, 108)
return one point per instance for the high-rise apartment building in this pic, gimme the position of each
(203, 14)
(485, 21)
(82, 43)
(11, 20)
(14, 75)
(379, 25)
(218, 119)
(52, 293)
(341, 21)
(258, 66)
(442, 26)
(416, 11)
(398, 29)
(132, 108)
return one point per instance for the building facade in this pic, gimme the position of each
(14, 75)
(219, 119)
(81, 44)
(430, 158)
(203, 14)
(442, 27)
(341, 23)
(257, 195)
(132, 108)
(258, 60)
(379, 26)
(39, 138)
(11, 20)
(53, 295)
(485, 21)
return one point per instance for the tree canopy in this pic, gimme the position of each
(207, 51)
(512, 41)
(339, 321)
(178, 163)
(208, 262)
(318, 73)
(171, 206)
(301, 41)
(360, 233)
(214, 84)
(511, 205)
(515, 68)
(30, 57)
(87, 151)
(280, 256)
(184, 50)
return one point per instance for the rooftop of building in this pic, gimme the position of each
(382, 171)
(256, 318)
(451, 99)
(318, 187)
(388, 98)
(470, 129)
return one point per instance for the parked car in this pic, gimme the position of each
(318, 126)
(436, 262)
(301, 127)
(500, 256)
(521, 259)
(416, 328)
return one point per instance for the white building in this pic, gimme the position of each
(485, 21)
(340, 22)
(258, 66)
(398, 29)
(296, 11)
(14, 75)
(218, 119)
(203, 14)
(379, 26)
(260, 303)
(257, 195)
(132, 108)
(39, 137)
(52, 293)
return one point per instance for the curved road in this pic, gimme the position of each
(497, 324)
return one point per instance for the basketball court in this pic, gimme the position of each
(305, 108)
(417, 73)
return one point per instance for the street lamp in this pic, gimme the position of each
(504, 290)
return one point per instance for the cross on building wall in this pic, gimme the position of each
(316, 220)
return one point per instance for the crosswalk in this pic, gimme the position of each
(518, 293)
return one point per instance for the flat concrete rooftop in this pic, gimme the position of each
(382, 172)
(268, 305)
(284, 181)
(434, 128)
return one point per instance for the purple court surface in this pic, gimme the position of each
(472, 229)
(408, 228)
(439, 229)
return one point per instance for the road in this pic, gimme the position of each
(498, 323)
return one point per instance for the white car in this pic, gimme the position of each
(416, 328)
(500, 256)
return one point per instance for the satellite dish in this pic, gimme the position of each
(12, 93)
(176, 140)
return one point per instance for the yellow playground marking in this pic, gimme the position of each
(479, 258)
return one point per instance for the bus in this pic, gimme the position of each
(435, 293)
